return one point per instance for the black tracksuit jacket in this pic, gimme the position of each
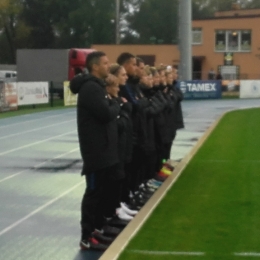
(97, 123)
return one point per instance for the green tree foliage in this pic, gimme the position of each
(80, 23)
(154, 22)
(14, 32)
(207, 8)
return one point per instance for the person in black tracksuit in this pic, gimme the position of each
(171, 115)
(161, 119)
(124, 125)
(127, 145)
(132, 93)
(98, 140)
(179, 123)
(175, 119)
(154, 109)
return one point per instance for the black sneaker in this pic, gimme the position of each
(92, 243)
(117, 222)
(111, 231)
(99, 236)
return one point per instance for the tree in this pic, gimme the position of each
(155, 22)
(14, 31)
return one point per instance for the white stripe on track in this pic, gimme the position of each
(35, 129)
(38, 165)
(40, 208)
(161, 253)
(32, 120)
(35, 143)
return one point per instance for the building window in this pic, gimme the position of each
(233, 41)
(196, 36)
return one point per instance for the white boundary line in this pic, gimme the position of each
(39, 209)
(164, 253)
(248, 254)
(38, 165)
(35, 143)
(176, 253)
(32, 120)
(35, 129)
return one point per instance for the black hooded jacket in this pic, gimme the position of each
(179, 97)
(97, 125)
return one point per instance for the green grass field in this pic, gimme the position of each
(214, 208)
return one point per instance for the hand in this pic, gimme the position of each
(124, 100)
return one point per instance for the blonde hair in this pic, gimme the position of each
(153, 70)
(111, 80)
(147, 70)
(115, 68)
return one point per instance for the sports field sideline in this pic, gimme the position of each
(41, 189)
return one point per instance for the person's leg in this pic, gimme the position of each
(151, 165)
(90, 202)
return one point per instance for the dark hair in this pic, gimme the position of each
(93, 58)
(124, 58)
(139, 60)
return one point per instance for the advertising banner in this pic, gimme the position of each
(70, 99)
(201, 89)
(250, 89)
(8, 96)
(30, 93)
(230, 87)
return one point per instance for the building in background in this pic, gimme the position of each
(228, 43)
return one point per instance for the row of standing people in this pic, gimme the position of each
(127, 114)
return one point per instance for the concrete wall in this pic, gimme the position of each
(7, 67)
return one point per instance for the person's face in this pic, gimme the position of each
(140, 70)
(102, 68)
(174, 74)
(162, 78)
(156, 79)
(150, 81)
(113, 90)
(122, 76)
(169, 78)
(130, 67)
(144, 79)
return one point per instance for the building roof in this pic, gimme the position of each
(228, 17)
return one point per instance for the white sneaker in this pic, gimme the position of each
(123, 215)
(127, 210)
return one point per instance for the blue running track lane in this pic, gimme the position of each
(40, 183)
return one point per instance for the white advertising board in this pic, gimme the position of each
(249, 89)
(30, 93)
(70, 99)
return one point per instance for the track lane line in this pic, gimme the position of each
(38, 165)
(35, 129)
(32, 120)
(10, 227)
(35, 143)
